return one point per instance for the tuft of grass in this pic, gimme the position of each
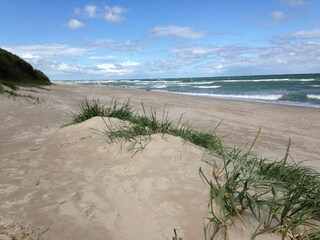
(94, 109)
(121, 111)
(207, 140)
(12, 85)
(151, 123)
(29, 98)
(283, 197)
(88, 111)
(11, 93)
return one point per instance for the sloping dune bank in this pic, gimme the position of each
(69, 183)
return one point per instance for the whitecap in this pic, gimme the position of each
(207, 87)
(266, 80)
(159, 86)
(313, 96)
(272, 97)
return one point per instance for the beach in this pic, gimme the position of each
(69, 183)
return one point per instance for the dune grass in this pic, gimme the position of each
(283, 196)
(95, 108)
(13, 94)
(9, 84)
(10, 89)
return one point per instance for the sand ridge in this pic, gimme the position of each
(105, 188)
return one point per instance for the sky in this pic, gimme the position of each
(134, 39)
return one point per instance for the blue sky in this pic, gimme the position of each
(70, 39)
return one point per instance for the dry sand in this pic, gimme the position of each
(68, 183)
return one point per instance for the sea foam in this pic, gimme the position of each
(313, 96)
(209, 87)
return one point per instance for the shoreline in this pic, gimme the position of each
(213, 96)
(299, 91)
(73, 182)
(250, 100)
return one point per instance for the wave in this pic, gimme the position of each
(89, 82)
(265, 80)
(159, 86)
(207, 87)
(272, 97)
(183, 82)
(198, 83)
(315, 86)
(313, 96)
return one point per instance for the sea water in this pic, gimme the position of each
(298, 89)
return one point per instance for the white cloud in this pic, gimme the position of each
(114, 14)
(159, 67)
(238, 60)
(40, 55)
(124, 68)
(315, 33)
(293, 3)
(103, 57)
(48, 50)
(304, 34)
(100, 70)
(130, 64)
(63, 67)
(116, 45)
(91, 10)
(278, 15)
(75, 24)
(204, 52)
(62, 61)
(196, 51)
(278, 59)
(198, 60)
(176, 31)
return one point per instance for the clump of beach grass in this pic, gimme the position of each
(95, 108)
(11, 91)
(142, 125)
(150, 123)
(283, 196)
(88, 111)
(9, 84)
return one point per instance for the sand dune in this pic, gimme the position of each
(84, 188)
(69, 183)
